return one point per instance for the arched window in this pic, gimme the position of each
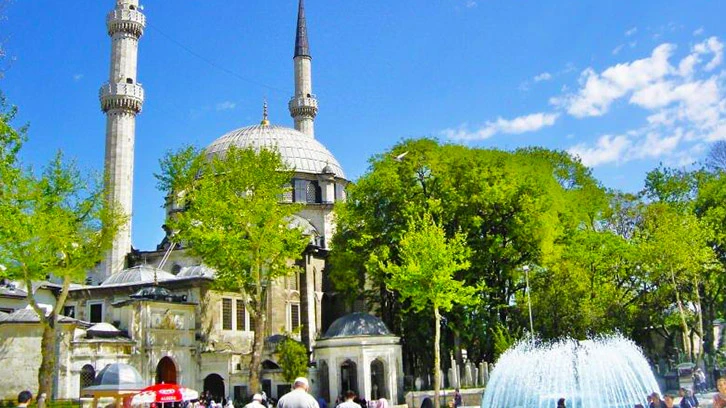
(324, 380)
(88, 374)
(378, 380)
(349, 376)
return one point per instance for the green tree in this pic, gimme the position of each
(675, 247)
(293, 359)
(234, 221)
(56, 225)
(425, 276)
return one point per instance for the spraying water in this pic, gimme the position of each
(605, 372)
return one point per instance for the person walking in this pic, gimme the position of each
(457, 398)
(298, 397)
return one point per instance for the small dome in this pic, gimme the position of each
(103, 330)
(300, 151)
(196, 270)
(137, 274)
(117, 376)
(357, 324)
(328, 170)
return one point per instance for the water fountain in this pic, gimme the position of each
(605, 372)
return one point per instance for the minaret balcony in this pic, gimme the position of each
(121, 95)
(126, 21)
(303, 105)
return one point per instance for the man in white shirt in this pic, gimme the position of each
(298, 397)
(349, 403)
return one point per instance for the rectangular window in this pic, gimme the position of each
(294, 315)
(240, 312)
(6, 310)
(69, 311)
(96, 312)
(300, 190)
(226, 314)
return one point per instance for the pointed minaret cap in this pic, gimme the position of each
(302, 48)
(265, 121)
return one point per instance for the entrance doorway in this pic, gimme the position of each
(166, 371)
(214, 387)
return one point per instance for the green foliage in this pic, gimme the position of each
(293, 358)
(428, 262)
(56, 225)
(233, 220)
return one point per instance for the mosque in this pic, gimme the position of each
(158, 310)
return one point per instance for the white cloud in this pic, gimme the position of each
(599, 91)
(518, 125)
(545, 76)
(631, 31)
(685, 105)
(470, 3)
(225, 106)
(608, 149)
(617, 49)
(77, 77)
(698, 31)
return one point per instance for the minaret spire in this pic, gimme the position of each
(302, 48)
(303, 105)
(121, 100)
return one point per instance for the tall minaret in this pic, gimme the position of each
(303, 106)
(121, 99)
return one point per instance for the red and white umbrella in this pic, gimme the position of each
(160, 393)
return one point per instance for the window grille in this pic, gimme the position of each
(226, 314)
(294, 315)
(241, 315)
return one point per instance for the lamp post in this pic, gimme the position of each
(529, 298)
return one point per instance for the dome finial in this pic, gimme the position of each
(265, 121)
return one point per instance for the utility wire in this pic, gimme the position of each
(214, 64)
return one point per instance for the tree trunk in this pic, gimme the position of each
(699, 355)
(48, 358)
(259, 342)
(687, 349)
(437, 359)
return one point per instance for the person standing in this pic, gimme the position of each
(457, 398)
(561, 403)
(719, 400)
(298, 397)
(655, 401)
(688, 400)
(668, 400)
(24, 398)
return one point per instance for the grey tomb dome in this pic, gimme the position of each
(357, 324)
(137, 274)
(298, 150)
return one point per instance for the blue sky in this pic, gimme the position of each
(625, 85)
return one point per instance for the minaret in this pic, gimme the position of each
(303, 106)
(121, 99)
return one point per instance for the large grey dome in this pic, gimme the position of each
(137, 274)
(298, 150)
(357, 324)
